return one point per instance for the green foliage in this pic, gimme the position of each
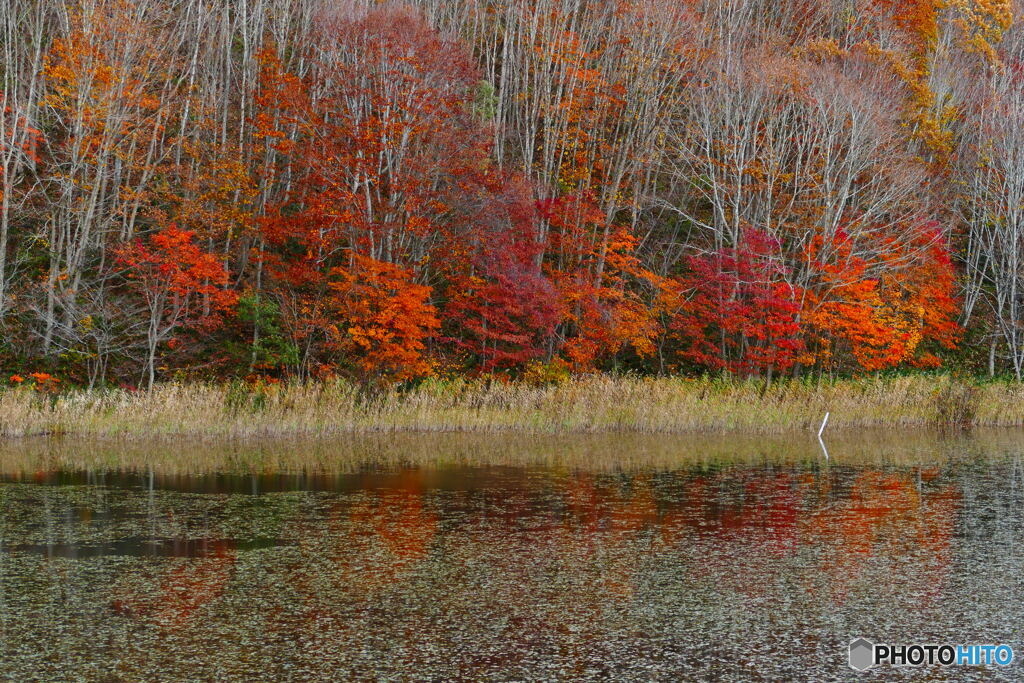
(268, 349)
(244, 398)
(485, 101)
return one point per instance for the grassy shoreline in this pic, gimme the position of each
(592, 404)
(373, 454)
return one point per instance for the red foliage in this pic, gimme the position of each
(177, 277)
(595, 266)
(383, 159)
(737, 313)
(502, 308)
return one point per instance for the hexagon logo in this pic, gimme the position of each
(861, 654)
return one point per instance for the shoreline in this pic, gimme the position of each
(374, 455)
(595, 404)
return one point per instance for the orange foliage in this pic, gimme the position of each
(385, 319)
(602, 314)
(883, 320)
(173, 268)
(391, 213)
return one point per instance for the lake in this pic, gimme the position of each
(507, 557)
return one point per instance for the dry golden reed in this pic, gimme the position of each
(368, 454)
(598, 403)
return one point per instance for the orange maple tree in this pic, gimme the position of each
(384, 319)
(883, 320)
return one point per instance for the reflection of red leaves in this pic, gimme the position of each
(884, 513)
(405, 527)
(194, 584)
(395, 521)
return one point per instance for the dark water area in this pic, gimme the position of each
(605, 558)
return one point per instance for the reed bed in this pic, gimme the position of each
(368, 454)
(599, 403)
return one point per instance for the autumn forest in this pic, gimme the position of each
(280, 189)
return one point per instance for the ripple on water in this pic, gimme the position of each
(737, 572)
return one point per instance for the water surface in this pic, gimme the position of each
(506, 558)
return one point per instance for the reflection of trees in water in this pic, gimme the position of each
(744, 520)
(752, 525)
(600, 453)
(889, 515)
(192, 584)
(557, 562)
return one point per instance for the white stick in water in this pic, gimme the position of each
(821, 441)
